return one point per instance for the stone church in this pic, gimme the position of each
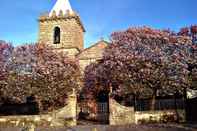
(63, 29)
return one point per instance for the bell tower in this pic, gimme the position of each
(62, 29)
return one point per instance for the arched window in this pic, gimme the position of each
(57, 33)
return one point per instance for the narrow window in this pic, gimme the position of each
(56, 35)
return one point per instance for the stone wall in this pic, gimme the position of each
(70, 52)
(84, 63)
(120, 115)
(159, 116)
(62, 117)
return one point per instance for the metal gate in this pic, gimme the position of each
(103, 113)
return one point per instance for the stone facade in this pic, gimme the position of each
(71, 37)
(91, 54)
(71, 32)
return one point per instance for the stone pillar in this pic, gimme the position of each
(67, 116)
(32, 128)
(73, 107)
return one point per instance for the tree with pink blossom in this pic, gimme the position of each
(142, 61)
(40, 71)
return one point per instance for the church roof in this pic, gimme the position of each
(61, 5)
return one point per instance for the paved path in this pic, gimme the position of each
(126, 128)
(116, 128)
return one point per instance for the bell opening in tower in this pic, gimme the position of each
(57, 33)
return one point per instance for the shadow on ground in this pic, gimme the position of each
(127, 128)
(115, 128)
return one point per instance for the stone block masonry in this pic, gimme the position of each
(120, 115)
(71, 31)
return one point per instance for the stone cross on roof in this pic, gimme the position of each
(61, 5)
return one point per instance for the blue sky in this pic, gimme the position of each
(18, 18)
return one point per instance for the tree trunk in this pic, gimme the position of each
(153, 102)
(175, 107)
(134, 101)
(185, 102)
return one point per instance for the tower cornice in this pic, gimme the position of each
(54, 17)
